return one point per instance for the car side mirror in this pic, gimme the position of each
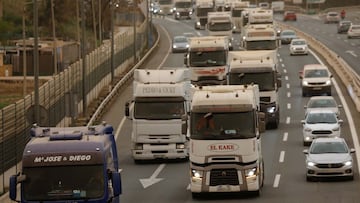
(302, 121)
(352, 150)
(305, 107)
(186, 60)
(306, 151)
(340, 106)
(340, 121)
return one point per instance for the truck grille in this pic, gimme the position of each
(335, 165)
(265, 99)
(224, 177)
(203, 21)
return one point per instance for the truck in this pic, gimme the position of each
(159, 114)
(261, 68)
(222, 5)
(202, 7)
(238, 7)
(278, 6)
(183, 8)
(166, 7)
(261, 16)
(206, 59)
(225, 141)
(259, 37)
(69, 164)
(220, 24)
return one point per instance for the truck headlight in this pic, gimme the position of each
(190, 12)
(251, 173)
(180, 146)
(309, 163)
(305, 83)
(328, 82)
(196, 175)
(198, 23)
(271, 109)
(307, 129)
(138, 147)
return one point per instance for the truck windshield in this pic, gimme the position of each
(227, 125)
(223, 26)
(236, 13)
(183, 4)
(159, 110)
(165, 2)
(203, 11)
(64, 183)
(261, 45)
(208, 58)
(265, 80)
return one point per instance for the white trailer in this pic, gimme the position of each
(220, 24)
(225, 142)
(202, 7)
(206, 59)
(261, 68)
(158, 111)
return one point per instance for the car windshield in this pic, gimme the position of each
(64, 183)
(328, 147)
(315, 73)
(180, 39)
(320, 103)
(314, 118)
(333, 14)
(298, 42)
(288, 33)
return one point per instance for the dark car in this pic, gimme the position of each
(343, 26)
(289, 15)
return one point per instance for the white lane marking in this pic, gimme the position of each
(289, 105)
(287, 85)
(276, 181)
(282, 156)
(188, 187)
(280, 60)
(288, 94)
(288, 120)
(286, 78)
(348, 116)
(285, 137)
(285, 71)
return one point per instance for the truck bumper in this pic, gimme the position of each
(164, 151)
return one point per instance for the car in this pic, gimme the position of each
(323, 102)
(180, 44)
(298, 46)
(354, 31)
(287, 35)
(332, 17)
(320, 123)
(289, 16)
(315, 79)
(329, 158)
(343, 26)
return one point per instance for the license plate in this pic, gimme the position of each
(159, 156)
(317, 88)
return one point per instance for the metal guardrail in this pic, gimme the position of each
(348, 76)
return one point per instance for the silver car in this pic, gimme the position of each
(180, 44)
(329, 157)
(315, 78)
(320, 123)
(322, 102)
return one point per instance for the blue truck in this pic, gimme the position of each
(69, 164)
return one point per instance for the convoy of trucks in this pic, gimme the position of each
(225, 141)
(71, 164)
(158, 112)
(206, 58)
(259, 67)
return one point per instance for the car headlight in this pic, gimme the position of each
(271, 109)
(307, 138)
(190, 12)
(307, 129)
(177, 13)
(251, 173)
(196, 175)
(174, 46)
(328, 82)
(174, 9)
(348, 163)
(337, 128)
(187, 46)
(309, 163)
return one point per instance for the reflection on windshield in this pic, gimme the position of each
(328, 147)
(316, 73)
(203, 11)
(321, 118)
(210, 58)
(226, 26)
(261, 45)
(159, 110)
(64, 183)
(265, 80)
(222, 125)
(322, 103)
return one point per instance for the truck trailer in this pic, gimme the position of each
(225, 141)
(159, 114)
(69, 164)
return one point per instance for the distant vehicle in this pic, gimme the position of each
(180, 44)
(264, 5)
(343, 26)
(332, 17)
(278, 6)
(289, 16)
(287, 35)
(298, 46)
(354, 31)
(316, 78)
(155, 8)
(189, 34)
(322, 102)
(329, 157)
(320, 123)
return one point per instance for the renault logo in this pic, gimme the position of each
(223, 173)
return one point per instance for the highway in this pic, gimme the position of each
(168, 181)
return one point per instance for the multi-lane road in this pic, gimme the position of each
(282, 148)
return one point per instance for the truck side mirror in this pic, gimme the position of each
(127, 109)
(116, 183)
(262, 126)
(186, 60)
(12, 187)
(279, 83)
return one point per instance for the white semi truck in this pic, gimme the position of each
(166, 7)
(183, 8)
(220, 24)
(259, 37)
(202, 7)
(206, 59)
(258, 67)
(159, 114)
(225, 142)
(261, 16)
(238, 7)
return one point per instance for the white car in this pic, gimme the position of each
(320, 123)
(354, 31)
(322, 102)
(315, 78)
(329, 157)
(298, 46)
(332, 17)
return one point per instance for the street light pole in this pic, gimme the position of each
(134, 24)
(24, 52)
(54, 37)
(36, 62)
(112, 41)
(83, 55)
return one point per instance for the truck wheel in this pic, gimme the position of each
(195, 195)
